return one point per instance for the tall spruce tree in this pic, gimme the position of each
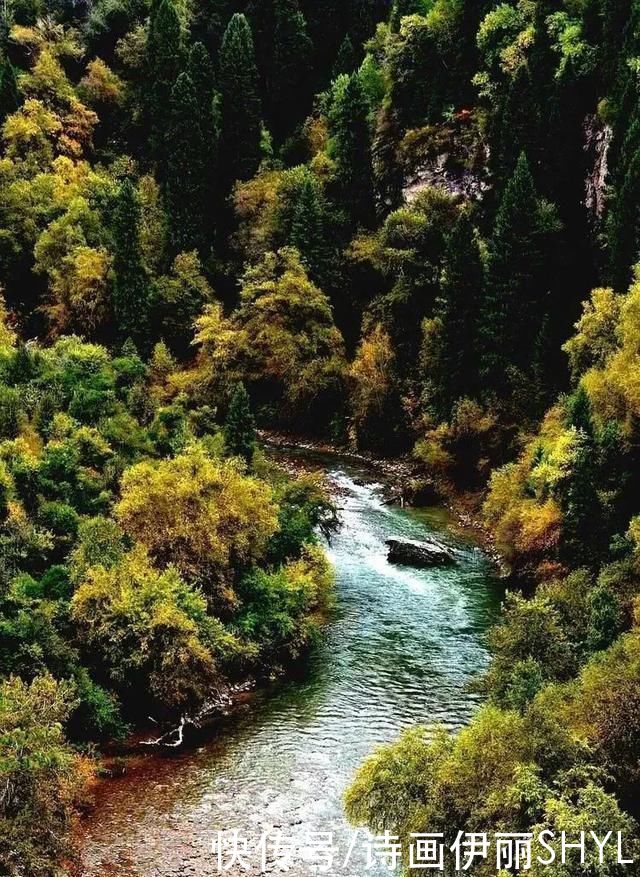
(201, 73)
(9, 96)
(186, 174)
(240, 103)
(200, 70)
(458, 306)
(346, 59)
(624, 225)
(210, 19)
(165, 59)
(582, 510)
(351, 150)
(131, 294)
(307, 228)
(239, 427)
(511, 315)
(290, 74)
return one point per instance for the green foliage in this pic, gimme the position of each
(240, 106)
(304, 509)
(350, 149)
(39, 774)
(281, 342)
(514, 300)
(130, 285)
(186, 149)
(239, 427)
(9, 95)
(278, 608)
(292, 58)
(147, 631)
(458, 312)
(164, 62)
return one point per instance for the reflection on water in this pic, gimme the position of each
(400, 649)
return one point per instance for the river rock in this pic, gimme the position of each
(410, 552)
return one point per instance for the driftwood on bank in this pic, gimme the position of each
(218, 705)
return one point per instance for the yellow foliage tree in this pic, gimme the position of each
(372, 377)
(203, 515)
(149, 630)
(282, 340)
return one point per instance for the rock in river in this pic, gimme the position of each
(412, 553)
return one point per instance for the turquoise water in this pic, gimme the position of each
(400, 649)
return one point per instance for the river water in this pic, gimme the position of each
(400, 649)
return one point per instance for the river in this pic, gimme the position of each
(400, 649)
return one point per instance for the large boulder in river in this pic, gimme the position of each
(423, 554)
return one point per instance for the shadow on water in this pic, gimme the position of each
(401, 648)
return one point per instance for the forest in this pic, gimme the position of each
(408, 228)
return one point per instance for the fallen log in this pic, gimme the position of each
(217, 706)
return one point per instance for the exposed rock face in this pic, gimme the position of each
(422, 554)
(598, 138)
(450, 156)
(458, 182)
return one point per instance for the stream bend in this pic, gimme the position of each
(400, 649)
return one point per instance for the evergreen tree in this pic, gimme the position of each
(131, 298)
(580, 413)
(240, 103)
(346, 59)
(511, 315)
(461, 290)
(582, 511)
(239, 428)
(9, 96)
(307, 228)
(291, 67)
(515, 126)
(186, 184)
(351, 150)
(200, 70)
(624, 226)
(210, 19)
(164, 64)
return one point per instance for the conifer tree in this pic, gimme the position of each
(307, 228)
(9, 96)
(351, 150)
(210, 19)
(581, 508)
(461, 290)
(239, 428)
(516, 125)
(131, 298)
(346, 59)
(164, 63)
(201, 73)
(240, 103)
(187, 168)
(515, 284)
(624, 225)
(200, 70)
(291, 66)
